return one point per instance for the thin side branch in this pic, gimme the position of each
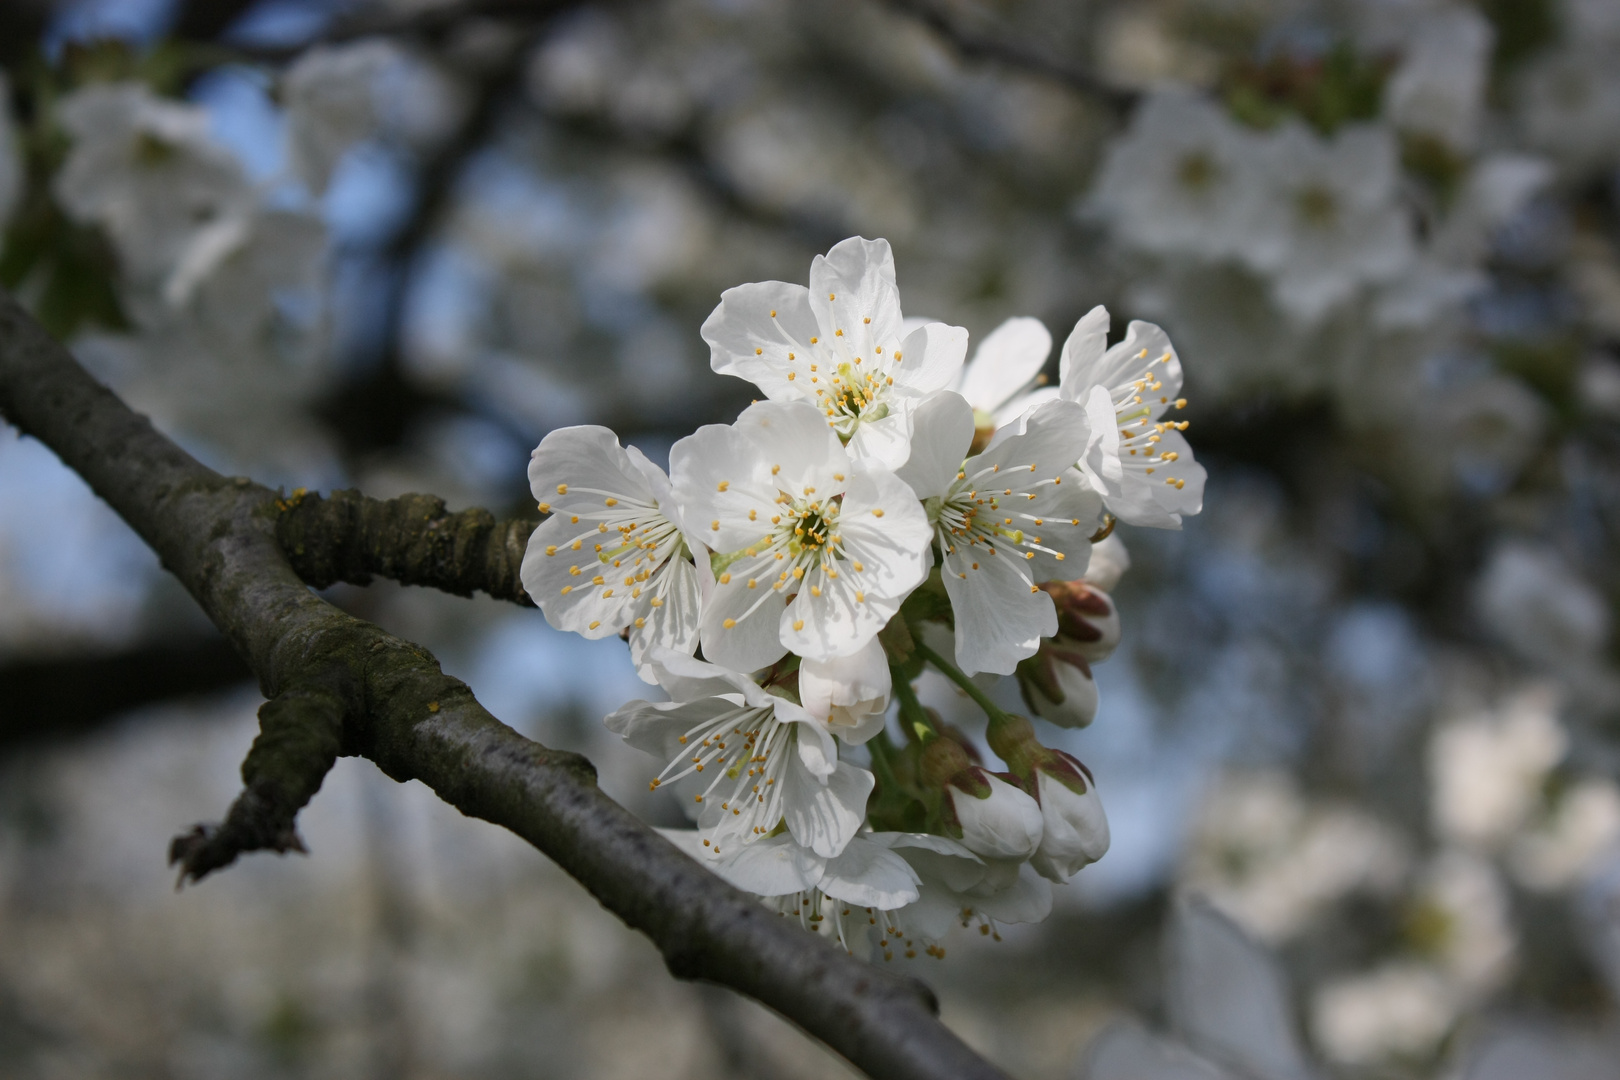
(1014, 54)
(412, 540)
(339, 685)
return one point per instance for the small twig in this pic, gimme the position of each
(1013, 54)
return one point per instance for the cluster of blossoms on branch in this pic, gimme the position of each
(884, 508)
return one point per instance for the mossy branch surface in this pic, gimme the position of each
(337, 685)
(412, 539)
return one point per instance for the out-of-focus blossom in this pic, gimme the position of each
(1184, 179)
(1461, 920)
(146, 170)
(1487, 769)
(1439, 88)
(1401, 1009)
(1273, 862)
(1329, 222)
(1568, 106)
(1580, 831)
(332, 97)
(1531, 599)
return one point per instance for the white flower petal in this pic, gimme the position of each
(886, 441)
(933, 357)
(852, 288)
(774, 866)
(796, 438)
(823, 816)
(870, 875)
(1083, 351)
(942, 431)
(754, 329)
(846, 691)
(1005, 362)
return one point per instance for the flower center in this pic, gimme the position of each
(631, 541)
(1318, 207)
(1197, 171)
(745, 750)
(855, 396)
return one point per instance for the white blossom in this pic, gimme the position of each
(770, 762)
(1579, 834)
(846, 897)
(1487, 769)
(957, 887)
(614, 553)
(998, 821)
(1182, 180)
(997, 381)
(1142, 465)
(1568, 106)
(840, 346)
(1017, 514)
(332, 99)
(1439, 88)
(850, 693)
(815, 550)
(1330, 222)
(1401, 1009)
(147, 171)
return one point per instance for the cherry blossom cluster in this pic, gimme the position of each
(884, 508)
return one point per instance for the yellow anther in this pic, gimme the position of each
(729, 623)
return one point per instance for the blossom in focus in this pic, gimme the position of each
(1184, 179)
(840, 346)
(957, 887)
(814, 550)
(847, 896)
(1330, 221)
(613, 554)
(767, 760)
(1008, 518)
(1147, 476)
(147, 171)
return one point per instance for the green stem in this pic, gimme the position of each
(953, 673)
(882, 751)
(914, 719)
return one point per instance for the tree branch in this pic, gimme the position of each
(338, 685)
(412, 540)
(1014, 54)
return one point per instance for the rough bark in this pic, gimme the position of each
(337, 685)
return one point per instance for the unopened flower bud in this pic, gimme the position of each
(1088, 621)
(1056, 684)
(1002, 823)
(996, 819)
(1075, 829)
